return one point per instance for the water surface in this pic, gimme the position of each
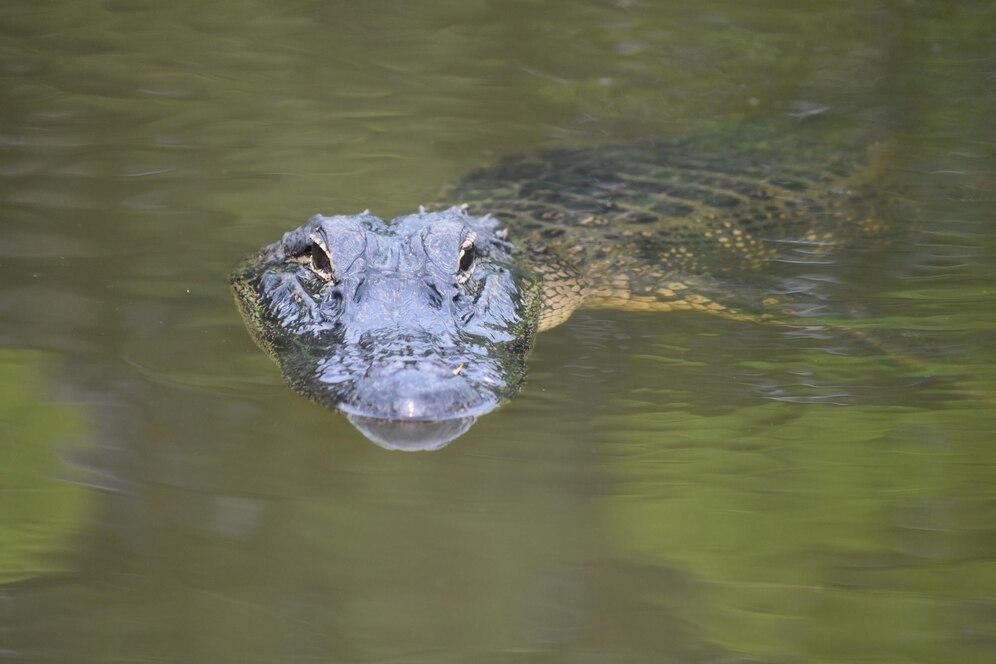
(667, 487)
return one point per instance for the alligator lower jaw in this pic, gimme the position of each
(411, 435)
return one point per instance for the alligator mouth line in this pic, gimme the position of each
(418, 394)
(408, 413)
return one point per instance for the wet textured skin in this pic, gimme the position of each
(415, 327)
(678, 225)
(412, 328)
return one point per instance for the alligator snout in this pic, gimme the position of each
(419, 408)
(419, 394)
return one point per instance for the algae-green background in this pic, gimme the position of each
(667, 488)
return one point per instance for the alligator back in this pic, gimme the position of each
(656, 224)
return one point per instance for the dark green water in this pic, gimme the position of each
(667, 488)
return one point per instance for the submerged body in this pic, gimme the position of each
(417, 326)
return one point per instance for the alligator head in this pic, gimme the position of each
(412, 328)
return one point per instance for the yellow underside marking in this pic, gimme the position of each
(614, 299)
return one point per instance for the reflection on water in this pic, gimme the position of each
(665, 488)
(412, 436)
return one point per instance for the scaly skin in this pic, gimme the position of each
(660, 226)
(428, 319)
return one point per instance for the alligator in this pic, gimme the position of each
(415, 327)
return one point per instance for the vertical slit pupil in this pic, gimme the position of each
(320, 259)
(467, 259)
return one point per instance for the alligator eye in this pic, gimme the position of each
(467, 254)
(320, 261)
